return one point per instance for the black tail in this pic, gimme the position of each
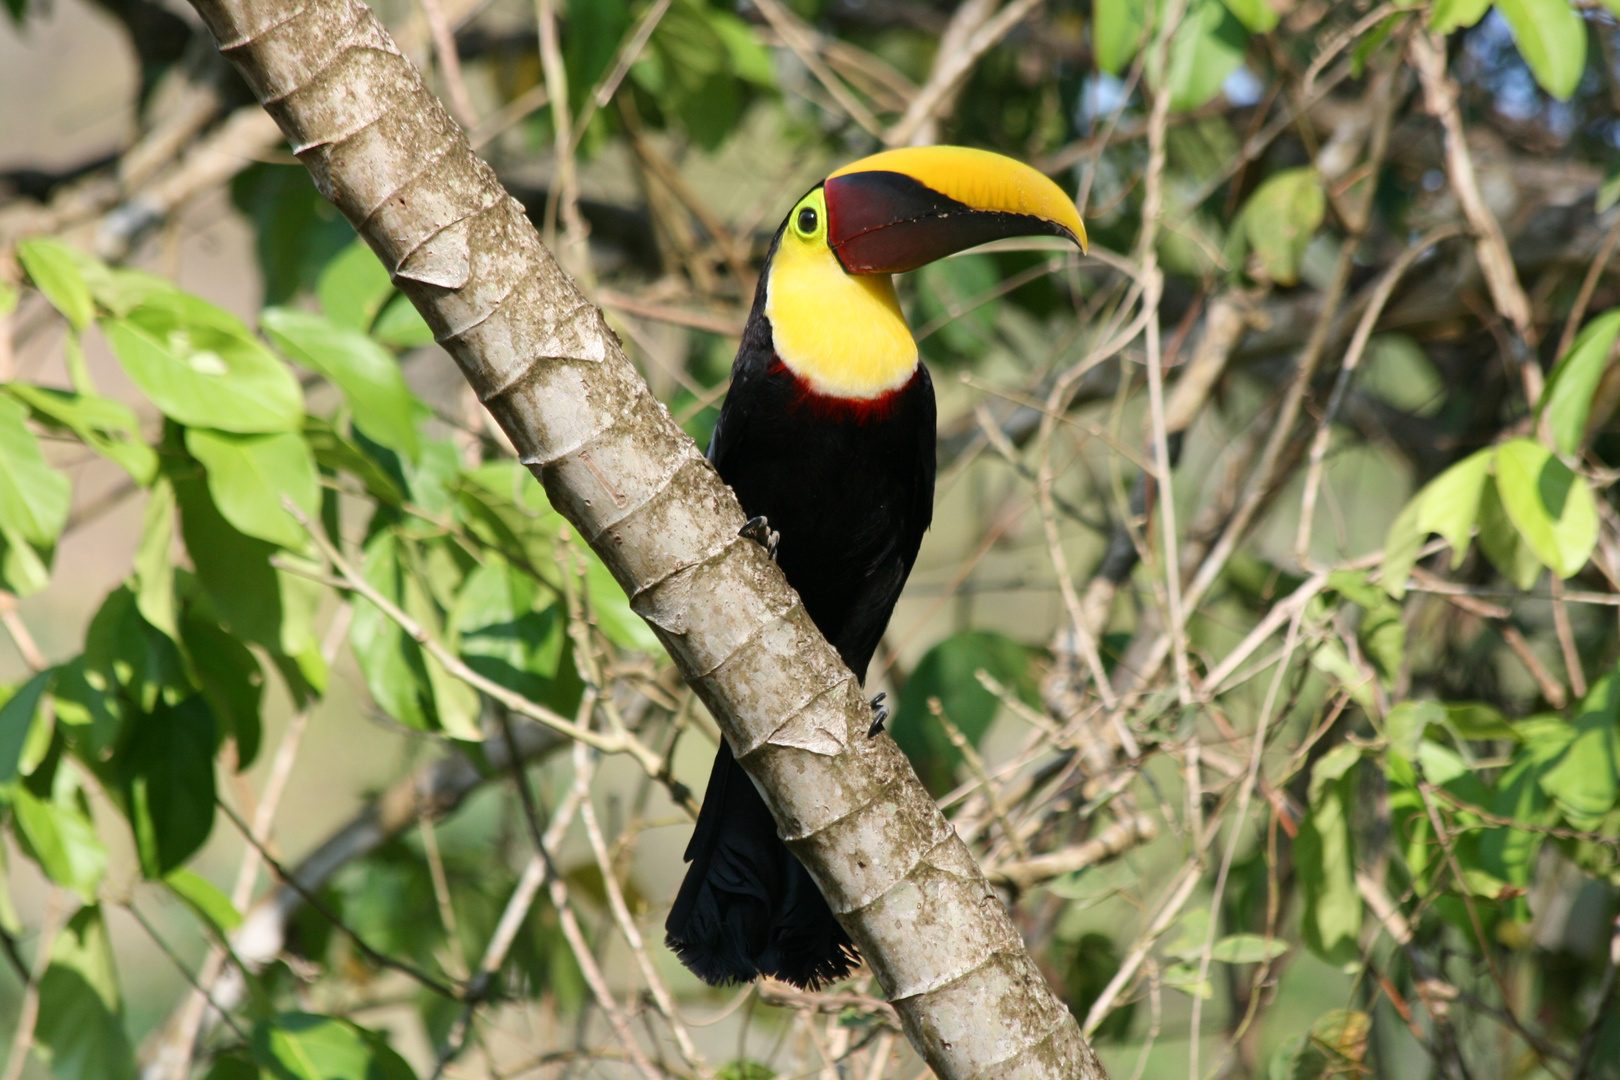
(748, 907)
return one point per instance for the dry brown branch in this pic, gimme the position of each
(1428, 54)
(972, 32)
(1109, 843)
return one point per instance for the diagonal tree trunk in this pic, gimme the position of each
(541, 358)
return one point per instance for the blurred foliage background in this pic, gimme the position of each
(1264, 646)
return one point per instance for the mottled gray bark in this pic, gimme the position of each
(544, 362)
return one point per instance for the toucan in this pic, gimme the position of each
(827, 437)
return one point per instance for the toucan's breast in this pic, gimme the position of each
(848, 482)
(842, 334)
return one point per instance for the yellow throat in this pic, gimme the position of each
(843, 334)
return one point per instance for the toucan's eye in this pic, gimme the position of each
(807, 220)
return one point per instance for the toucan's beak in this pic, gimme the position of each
(897, 210)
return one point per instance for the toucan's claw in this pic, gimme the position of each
(881, 712)
(760, 532)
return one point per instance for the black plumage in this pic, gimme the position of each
(849, 485)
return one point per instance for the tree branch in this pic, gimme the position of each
(615, 465)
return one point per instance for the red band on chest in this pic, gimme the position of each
(828, 407)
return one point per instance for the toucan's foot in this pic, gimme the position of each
(880, 715)
(760, 532)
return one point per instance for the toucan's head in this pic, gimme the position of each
(835, 321)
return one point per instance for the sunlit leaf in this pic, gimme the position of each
(366, 373)
(154, 560)
(1552, 39)
(80, 1030)
(1324, 852)
(1551, 506)
(204, 898)
(302, 1046)
(108, 427)
(61, 837)
(1280, 219)
(1116, 32)
(1448, 15)
(250, 475)
(1206, 48)
(1499, 539)
(1567, 399)
(55, 272)
(202, 367)
(1585, 780)
(19, 717)
(353, 287)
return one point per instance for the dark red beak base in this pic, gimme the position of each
(888, 223)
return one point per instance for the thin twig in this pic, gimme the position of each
(952, 64)
(444, 54)
(800, 39)
(381, 959)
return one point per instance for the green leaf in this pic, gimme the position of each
(1207, 47)
(353, 287)
(366, 373)
(1448, 15)
(34, 498)
(1552, 39)
(334, 452)
(1257, 15)
(1184, 977)
(233, 568)
(1450, 502)
(249, 475)
(611, 609)
(154, 565)
(1502, 544)
(1408, 722)
(1324, 851)
(80, 1031)
(393, 664)
(1449, 505)
(201, 896)
(19, 719)
(230, 678)
(298, 232)
(1608, 192)
(1247, 949)
(949, 672)
(60, 836)
(166, 770)
(302, 1046)
(744, 1069)
(202, 367)
(1567, 400)
(1550, 505)
(401, 326)
(108, 427)
(88, 715)
(34, 503)
(511, 630)
(749, 60)
(1116, 32)
(1280, 219)
(55, 272)
(1585, 780)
